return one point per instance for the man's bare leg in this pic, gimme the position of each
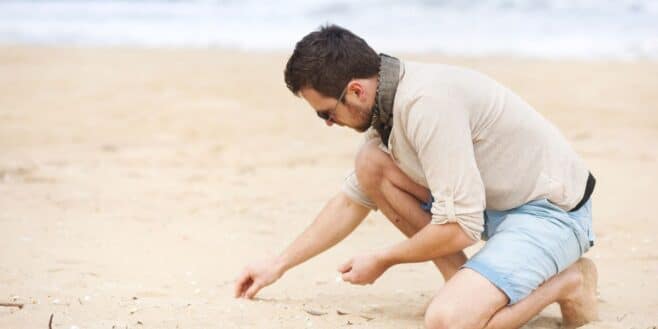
(574, 289)
(470, 293)
(399, 199)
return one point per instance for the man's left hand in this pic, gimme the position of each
(364, 269)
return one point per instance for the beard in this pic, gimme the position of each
(365, 117)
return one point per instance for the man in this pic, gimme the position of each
(450, 156)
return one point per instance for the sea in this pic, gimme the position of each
(607, 29)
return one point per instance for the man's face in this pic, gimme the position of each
(352, 112)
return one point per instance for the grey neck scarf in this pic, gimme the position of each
(382, 112)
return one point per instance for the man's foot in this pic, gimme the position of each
(579, 304)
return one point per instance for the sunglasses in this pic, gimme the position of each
(327, 114)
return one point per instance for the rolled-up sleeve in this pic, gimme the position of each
(351, 184)
(352, 189)
(439, 131)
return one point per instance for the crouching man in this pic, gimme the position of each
(451, 156)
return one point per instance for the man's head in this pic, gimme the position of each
(336, 72)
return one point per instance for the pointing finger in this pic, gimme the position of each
(253, 290)
(241, 283)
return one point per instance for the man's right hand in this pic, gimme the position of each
(336, 220)
(256, 277)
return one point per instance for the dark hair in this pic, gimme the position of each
(327, 59)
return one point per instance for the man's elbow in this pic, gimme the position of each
(458, 236)
(463, 239)
(468, 240)
(465, 230)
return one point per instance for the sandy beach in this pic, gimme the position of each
(135, 184)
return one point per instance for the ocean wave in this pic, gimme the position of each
(541, 28)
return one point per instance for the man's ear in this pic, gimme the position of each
(356, 88)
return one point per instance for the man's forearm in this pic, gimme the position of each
(434, 240)
(338, 218)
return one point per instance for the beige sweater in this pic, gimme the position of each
(475, 144)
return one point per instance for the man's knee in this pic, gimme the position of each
(370, 166)
(442, 315)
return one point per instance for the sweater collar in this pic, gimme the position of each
(389, 77)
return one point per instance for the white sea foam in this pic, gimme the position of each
(543, 28)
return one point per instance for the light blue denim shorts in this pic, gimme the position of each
(529, 244)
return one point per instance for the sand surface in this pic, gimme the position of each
(136, 184)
